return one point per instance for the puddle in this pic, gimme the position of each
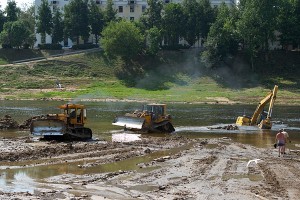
(31, 176)
(251, 177)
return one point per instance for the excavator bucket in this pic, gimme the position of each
(47, 127)
(129, 122)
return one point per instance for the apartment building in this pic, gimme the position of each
(126, 9)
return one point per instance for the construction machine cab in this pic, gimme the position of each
(156, 110)
(75, 113)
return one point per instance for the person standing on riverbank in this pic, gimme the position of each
(280, 139)
(287, 138)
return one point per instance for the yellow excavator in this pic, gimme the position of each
(152, 118)
(68, 124)
(260, 117)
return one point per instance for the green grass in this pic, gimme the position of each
(174, 77)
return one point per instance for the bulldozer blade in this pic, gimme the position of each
(129, 122)
(47, 127)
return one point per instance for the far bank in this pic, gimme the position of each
(173, 76)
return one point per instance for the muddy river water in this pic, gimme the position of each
(189, 120)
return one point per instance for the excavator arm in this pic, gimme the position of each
(259, 117)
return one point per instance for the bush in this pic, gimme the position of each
(6, 46)
(84, 46)
(50, 46)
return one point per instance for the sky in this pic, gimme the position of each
(20, 3)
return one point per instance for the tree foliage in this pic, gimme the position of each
(2, 19)
(192, 26)
(76, 20)
(153, 15)
(15, 34)
(222, 39)
(96, 19)
(110, 13)
(122, 39)
(44, 20)
(154, 39)
(12, 11)
(289, 22)
(173, 31)
(58, 27)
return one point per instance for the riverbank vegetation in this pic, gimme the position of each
(174, 77)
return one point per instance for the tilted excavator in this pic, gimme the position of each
(152, 118)
(260, 117)
(69, 124)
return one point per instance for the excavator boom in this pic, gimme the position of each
(260, 117)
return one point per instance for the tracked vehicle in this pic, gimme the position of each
(260, 117)
(152, 118)
(69, 124)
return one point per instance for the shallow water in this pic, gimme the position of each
(191, 120)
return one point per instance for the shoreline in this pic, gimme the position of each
(216, 102)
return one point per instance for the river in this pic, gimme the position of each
(190, 120)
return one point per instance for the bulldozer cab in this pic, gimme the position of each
(157, 111)
(75, 113)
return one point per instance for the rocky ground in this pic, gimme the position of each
(186, 169)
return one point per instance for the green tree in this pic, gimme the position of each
(153, 15)
(12, 11)
(289, 22)
(191, 9)
(122, 39)
(44, 20)
(206, 16)
(173, 23)
(154, 39)
(257, 24)
(222, 39)
(110, 13)
(29, 19)
(15, 34)
(58, 27)
(76, 20)
(96, 20)
(2, 19)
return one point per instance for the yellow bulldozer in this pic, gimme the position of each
(68, 124)
(260, 117)
(152, 118)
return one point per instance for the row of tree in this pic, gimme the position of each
(250, 26)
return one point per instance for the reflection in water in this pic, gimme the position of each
(19, 183)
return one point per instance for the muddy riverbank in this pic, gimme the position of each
(176, 168)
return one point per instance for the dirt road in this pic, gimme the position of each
(187, 169)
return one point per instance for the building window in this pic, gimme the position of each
(131, 18)
(98, 2)
(144, 8)
(167, 1)
(120, 9)
(54, 2)
(132, 8)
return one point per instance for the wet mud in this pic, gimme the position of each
(176, 168)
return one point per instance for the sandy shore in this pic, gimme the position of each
(189, 169)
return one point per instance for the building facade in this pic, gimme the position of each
(126, 9)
